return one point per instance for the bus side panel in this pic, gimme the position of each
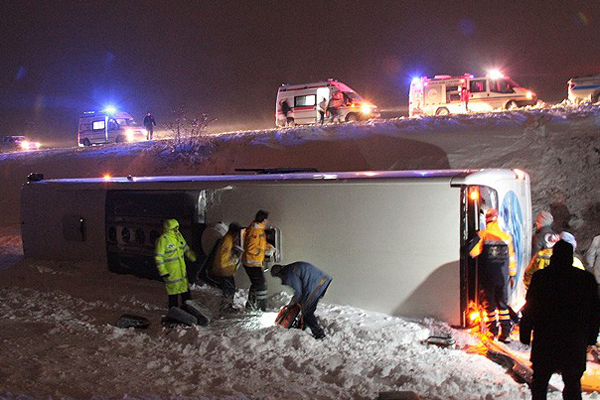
(63, 224)
(390, 247)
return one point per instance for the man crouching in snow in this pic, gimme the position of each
(309, 284)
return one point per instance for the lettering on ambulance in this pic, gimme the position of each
(511, 215)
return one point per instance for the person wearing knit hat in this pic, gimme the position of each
(545, 236)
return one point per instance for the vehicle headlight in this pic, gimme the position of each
(129, 134)
(36, 145)
(25, 145)
(529, 95)
(366, 108)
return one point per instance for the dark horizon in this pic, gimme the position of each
(228, 58)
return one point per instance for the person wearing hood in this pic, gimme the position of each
(497, 269)
(309, 284)
(542, 259)
(253, 259)
(169, 255)
(562, 310)
(592, 258)
(545, 236)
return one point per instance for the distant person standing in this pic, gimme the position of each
(255, 248)
(464, 96)
(322, 108)
(497, 270)
(286, 109)
(149, 124)
(336, 101)
(563, 311)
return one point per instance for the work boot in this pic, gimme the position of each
(504, 338)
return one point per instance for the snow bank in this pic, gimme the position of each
(558, 146)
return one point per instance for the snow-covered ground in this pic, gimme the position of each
(59, 340)
(57, 320)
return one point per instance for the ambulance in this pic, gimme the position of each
(584, 88)
(441, 95)
(303, 99)
(108, 126)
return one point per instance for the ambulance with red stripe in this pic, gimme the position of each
(303, 99)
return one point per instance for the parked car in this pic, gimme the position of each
(584, 88)
(12, 143)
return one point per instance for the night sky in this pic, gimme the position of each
(227, 58)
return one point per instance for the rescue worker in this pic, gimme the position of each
(542, 259)
(309, 284)
(336, 101)
(285, 109)
(563, 311)
(497, 269)
(149, 124)
(322, 110)
(225, 264)
(545, 236)
(255, 248)
(592, 258)
(169, 253)
(464, 96)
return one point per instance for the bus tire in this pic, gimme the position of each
(351, 117)
(595, 97)
(120, 139)
(511, 105)
(291, 122)
(86, 142)
(442, 111)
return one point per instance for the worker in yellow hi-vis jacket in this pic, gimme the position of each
(169, 254)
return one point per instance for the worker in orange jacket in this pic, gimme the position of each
(253, 259)
(497, 270)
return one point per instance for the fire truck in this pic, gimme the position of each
(441, 95)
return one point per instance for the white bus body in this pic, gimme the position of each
(99, 127)
(441, 95)
(304, 98)
(393, 241)
(585, 88)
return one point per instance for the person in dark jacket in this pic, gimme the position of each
(563, 311)
(497, 269)
(149, 124)
(544, 237)
(309, 284)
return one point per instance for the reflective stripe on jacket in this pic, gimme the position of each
(226, 258)
(255, 245)
(169, 254)
(496, 252)
(540, 261)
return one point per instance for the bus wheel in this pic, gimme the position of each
(120, 139)
(86, 142)
(595, 97)
(351, 117)
(442, 111)
(511, 105)
(291, 122)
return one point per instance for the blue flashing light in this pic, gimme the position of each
(110, 109)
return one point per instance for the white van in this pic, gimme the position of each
(393, 241)
(585, 88)
(303, 99)
(100, 127)
(440, 95)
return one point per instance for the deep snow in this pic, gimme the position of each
(57, 319)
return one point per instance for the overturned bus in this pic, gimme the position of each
(393, 241)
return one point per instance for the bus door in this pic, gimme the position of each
(476, 200)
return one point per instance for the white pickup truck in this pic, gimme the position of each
(584, 88)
